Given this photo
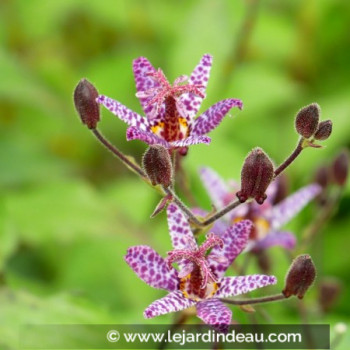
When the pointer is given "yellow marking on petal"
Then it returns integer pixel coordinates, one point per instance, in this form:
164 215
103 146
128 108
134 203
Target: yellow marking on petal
238 219
183 122
158 128
183 126
262 226
210 289
215 289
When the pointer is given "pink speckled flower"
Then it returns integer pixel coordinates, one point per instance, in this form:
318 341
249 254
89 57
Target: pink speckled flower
170 109
200 280
268 218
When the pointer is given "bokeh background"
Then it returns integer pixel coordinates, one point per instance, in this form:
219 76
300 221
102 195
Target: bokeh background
69 210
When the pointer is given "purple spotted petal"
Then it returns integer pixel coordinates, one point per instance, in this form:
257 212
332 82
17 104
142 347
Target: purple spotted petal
179 229
211 118
215 186
192 140
136 134
272 191
125 114
214 312
286 240
231 286
141 68
174 301
292 205
200 75
235 239
151 268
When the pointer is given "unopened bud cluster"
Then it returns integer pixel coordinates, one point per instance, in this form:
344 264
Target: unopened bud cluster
257 174
307 123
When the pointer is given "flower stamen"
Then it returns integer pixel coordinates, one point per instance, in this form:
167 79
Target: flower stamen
196 258
165 90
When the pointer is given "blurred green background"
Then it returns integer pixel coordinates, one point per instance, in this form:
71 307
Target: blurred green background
69 210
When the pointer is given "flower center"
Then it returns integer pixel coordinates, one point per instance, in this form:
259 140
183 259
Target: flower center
197 280
174 125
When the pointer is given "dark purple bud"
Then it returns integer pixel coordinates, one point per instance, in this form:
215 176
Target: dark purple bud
300 276
324 130
322 176
256 175
329 291
340 168
85 95
306 121
157 164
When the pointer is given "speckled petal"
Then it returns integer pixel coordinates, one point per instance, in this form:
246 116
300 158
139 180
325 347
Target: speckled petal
141 68
231 286
192 140
151 268
214 312
292 205
272 191
211 118
200 75
125 114
174 301
179 229
136 134
216 187
235 239
286 240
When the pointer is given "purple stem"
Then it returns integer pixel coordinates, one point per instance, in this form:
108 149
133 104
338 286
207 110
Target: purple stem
290 159
255 300
119 154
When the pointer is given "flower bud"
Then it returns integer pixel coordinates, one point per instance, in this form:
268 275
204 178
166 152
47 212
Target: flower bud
322 176
85 95
257 173
324 130
329 291
340 168
157 164
306 121
300 276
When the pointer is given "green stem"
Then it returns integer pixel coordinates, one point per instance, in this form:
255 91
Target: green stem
126 160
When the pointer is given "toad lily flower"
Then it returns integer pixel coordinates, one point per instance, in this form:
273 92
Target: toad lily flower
170 109
200 281
268 218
